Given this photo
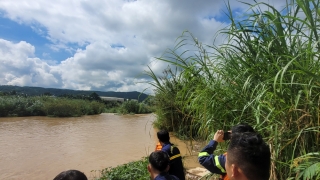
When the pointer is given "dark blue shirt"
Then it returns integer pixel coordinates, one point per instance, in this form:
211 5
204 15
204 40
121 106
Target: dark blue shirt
166 176
166 147
207 159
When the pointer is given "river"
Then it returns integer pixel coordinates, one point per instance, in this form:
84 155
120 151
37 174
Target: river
41 147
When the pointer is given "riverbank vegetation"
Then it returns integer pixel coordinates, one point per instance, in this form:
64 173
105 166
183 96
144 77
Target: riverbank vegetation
47 106
265 73
135 170
131 107
67 106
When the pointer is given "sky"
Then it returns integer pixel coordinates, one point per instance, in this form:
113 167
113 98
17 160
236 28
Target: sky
100 45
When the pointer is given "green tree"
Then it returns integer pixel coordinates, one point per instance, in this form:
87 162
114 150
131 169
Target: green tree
94 96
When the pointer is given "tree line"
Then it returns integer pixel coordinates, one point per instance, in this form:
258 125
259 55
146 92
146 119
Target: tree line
66 105
38 91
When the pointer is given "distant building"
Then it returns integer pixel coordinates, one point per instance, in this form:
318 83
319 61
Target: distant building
104 98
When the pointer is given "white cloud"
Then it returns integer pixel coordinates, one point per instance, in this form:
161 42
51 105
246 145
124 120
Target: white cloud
145 29
19 66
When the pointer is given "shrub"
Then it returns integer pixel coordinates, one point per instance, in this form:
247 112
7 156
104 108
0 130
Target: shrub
134 107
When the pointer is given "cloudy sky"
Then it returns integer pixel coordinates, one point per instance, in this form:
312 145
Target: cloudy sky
99 45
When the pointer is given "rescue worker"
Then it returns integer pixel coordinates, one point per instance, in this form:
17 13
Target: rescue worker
159 165
176 165
216 163
248 157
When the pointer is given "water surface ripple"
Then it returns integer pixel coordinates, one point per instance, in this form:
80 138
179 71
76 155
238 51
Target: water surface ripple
42 147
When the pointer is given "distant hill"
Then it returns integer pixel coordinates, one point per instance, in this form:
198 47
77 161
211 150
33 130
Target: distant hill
36 91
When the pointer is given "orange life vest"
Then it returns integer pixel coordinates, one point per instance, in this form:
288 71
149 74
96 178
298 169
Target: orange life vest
224 177
158 147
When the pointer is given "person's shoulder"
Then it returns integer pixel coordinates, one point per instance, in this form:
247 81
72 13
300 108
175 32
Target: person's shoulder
174 177
166 147
175 149
166 177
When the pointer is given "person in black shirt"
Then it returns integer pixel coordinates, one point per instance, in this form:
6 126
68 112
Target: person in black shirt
176 165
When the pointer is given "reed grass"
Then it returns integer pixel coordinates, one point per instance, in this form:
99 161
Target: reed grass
267 74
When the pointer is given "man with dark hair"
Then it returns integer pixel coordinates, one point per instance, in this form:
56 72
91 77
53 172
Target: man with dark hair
159 165
71 175
176 165
216 163
248 157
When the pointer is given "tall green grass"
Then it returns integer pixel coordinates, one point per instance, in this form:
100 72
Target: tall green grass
266 73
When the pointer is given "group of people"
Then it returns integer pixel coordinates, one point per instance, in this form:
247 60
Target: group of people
247 158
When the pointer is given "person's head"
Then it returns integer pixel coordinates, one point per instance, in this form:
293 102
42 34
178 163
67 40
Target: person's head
71 175
248 157
158 162
241 128
163 136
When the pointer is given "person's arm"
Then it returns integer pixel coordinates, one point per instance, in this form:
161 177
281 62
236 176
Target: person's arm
214 163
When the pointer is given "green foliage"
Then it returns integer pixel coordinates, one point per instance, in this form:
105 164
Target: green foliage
307 166
20 106
47 106
266 74
134 107
129 107
136 170
95 96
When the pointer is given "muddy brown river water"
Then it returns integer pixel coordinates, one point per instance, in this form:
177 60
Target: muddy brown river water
42 147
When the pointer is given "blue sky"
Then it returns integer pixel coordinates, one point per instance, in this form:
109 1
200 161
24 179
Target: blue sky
16 31
99 45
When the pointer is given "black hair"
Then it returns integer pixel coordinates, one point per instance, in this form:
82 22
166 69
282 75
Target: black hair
159 160
71 175
241 128
163 136
251 154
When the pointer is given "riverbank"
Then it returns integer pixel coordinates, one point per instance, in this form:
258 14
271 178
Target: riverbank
188 149
20 106
138 170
